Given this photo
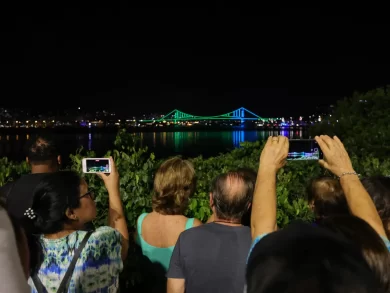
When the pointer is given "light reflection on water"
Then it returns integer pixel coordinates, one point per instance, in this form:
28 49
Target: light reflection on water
89 141
202 142
190 144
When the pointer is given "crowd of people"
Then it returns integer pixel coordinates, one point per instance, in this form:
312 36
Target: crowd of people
49 243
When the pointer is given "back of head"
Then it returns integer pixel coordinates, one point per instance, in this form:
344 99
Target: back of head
378 187
51 198
42 151
365 237
20 194
327 197
232 193
250 175
174 183
307 258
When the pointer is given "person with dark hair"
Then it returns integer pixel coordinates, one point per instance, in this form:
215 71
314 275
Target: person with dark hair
326 198
250 176
369 242
157 232
307 258
211 257
70 258
43 157
303 258
378 187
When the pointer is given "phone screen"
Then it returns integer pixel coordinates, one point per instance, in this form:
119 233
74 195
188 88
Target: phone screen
304 149
97 166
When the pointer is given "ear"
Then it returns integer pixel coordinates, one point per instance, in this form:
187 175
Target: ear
59 160
27 161
211 200
71 215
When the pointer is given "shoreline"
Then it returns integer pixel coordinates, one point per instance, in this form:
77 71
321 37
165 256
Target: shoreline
65 130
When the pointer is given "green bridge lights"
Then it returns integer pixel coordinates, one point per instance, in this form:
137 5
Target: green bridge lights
241 114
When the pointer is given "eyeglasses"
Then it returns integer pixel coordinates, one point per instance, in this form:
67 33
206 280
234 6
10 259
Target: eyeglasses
89 194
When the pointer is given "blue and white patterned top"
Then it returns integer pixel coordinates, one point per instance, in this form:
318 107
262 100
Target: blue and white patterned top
97 269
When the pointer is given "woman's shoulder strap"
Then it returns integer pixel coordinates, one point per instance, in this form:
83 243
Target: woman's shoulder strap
139 222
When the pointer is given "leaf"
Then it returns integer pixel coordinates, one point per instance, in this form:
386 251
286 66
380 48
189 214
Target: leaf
368 149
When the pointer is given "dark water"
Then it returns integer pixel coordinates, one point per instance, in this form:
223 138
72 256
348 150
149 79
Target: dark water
163 144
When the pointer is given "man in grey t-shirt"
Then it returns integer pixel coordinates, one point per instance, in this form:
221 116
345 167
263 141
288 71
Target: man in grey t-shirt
212 257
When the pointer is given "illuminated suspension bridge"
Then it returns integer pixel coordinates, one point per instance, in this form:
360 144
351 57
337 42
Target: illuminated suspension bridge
240 114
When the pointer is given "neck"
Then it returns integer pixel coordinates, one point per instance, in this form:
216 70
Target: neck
35 169
228 222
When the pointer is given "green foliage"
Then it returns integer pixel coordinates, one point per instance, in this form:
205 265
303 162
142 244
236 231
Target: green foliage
362 126
137 166
208 169
362 122
292 182
10 171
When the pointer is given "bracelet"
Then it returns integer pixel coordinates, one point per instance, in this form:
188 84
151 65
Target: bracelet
348 173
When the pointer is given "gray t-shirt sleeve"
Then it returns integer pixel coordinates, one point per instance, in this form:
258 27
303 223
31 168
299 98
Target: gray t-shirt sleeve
176 268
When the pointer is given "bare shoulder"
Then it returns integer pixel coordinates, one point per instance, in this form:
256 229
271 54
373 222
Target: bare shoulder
197 223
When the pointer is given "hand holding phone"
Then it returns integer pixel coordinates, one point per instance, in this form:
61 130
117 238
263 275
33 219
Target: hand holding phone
111 180
304 150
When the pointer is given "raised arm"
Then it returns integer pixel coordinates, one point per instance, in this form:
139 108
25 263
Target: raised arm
116 216
273 157
359 201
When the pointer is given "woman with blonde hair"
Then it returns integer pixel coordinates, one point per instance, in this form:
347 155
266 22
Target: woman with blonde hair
158 231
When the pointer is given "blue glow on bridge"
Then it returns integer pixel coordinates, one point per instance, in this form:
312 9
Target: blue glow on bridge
242 114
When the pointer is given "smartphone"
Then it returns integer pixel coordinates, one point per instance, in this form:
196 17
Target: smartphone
96 165
304 149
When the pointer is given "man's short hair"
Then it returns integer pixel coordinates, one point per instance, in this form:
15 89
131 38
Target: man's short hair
308 258
42 151
232 193
252 176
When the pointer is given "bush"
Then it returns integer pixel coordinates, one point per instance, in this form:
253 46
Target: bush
10 171
137 166
361 121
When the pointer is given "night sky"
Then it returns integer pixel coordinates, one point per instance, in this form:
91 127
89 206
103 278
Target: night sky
107 58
